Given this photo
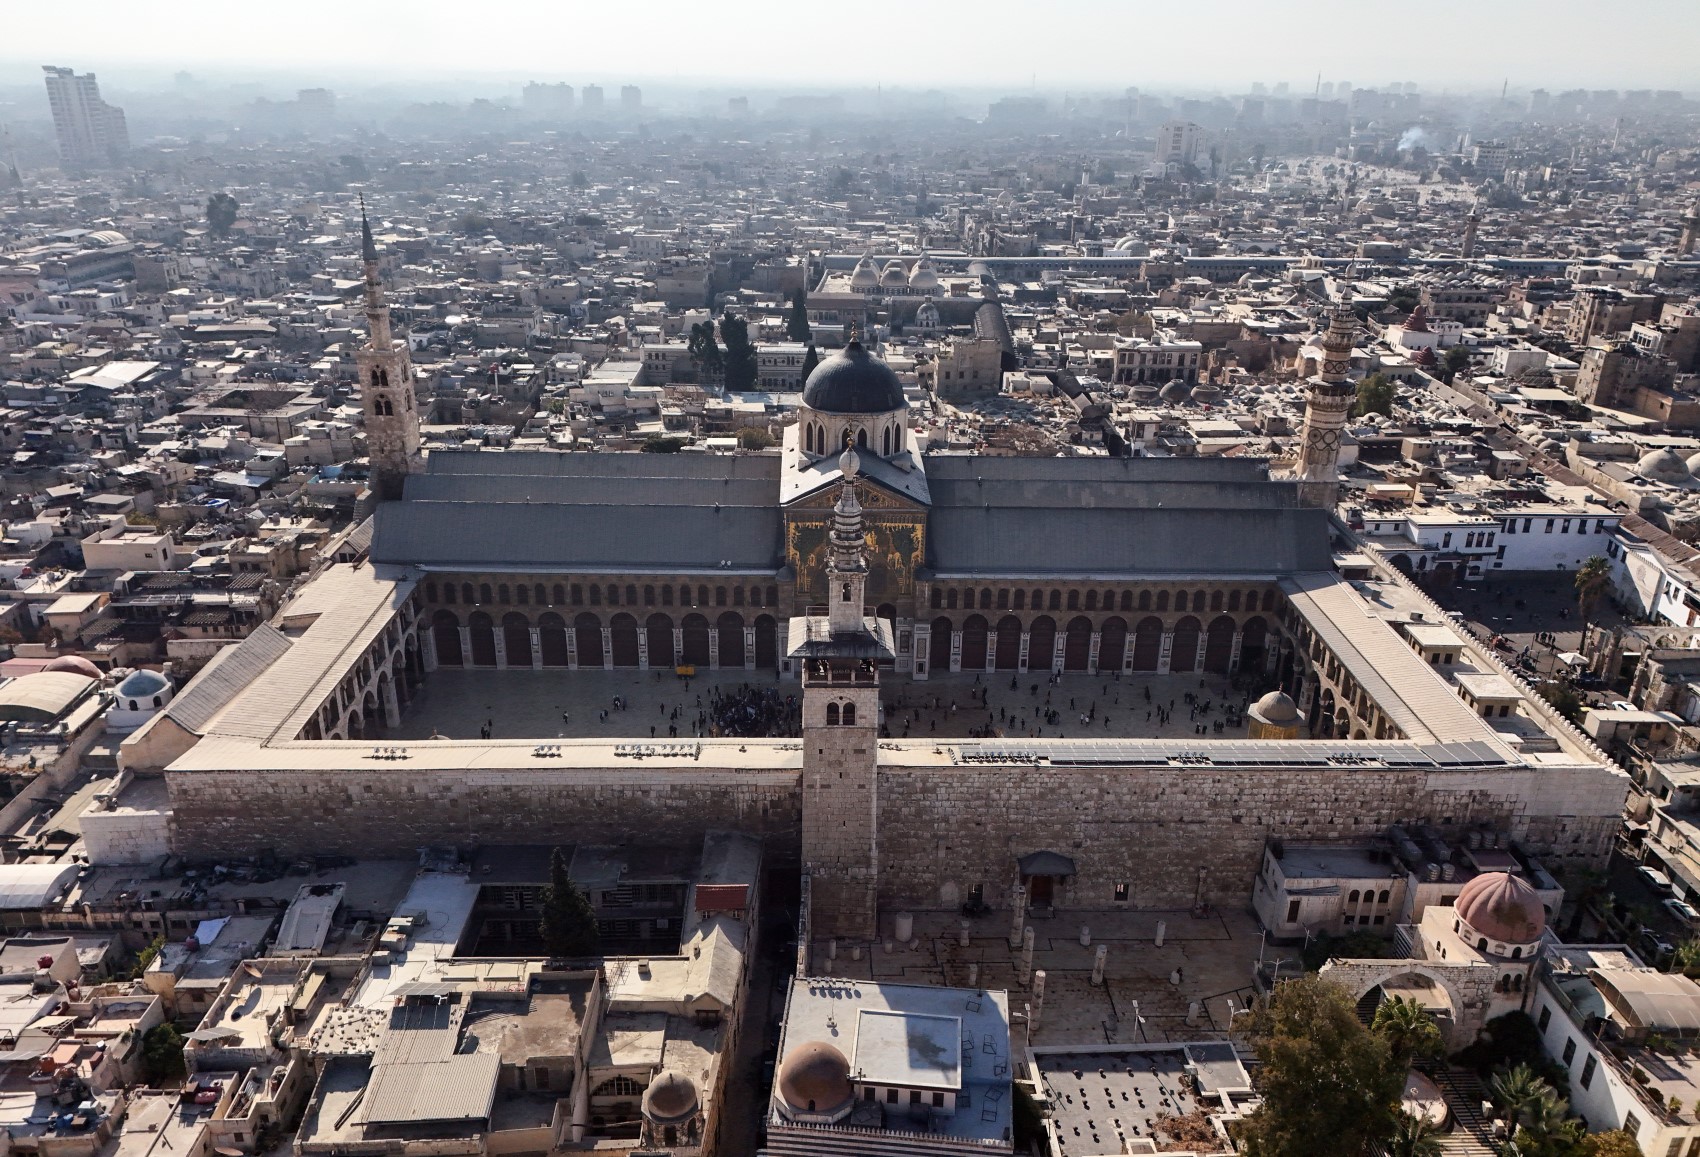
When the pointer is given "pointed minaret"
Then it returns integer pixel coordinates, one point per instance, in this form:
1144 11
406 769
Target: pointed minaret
1326 408
1690 231
386 385
839 654
1471 223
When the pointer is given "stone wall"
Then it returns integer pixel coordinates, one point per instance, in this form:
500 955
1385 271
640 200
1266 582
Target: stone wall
945 830
395 812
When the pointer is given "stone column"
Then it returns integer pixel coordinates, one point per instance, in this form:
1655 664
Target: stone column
1058 650
466 646
536 649
923 652
1018 913
1098 957
991 650
1198 656
1026 966
387 703
678 644
607 648
1021 660
1165 652
500 634
428 649
1092 651
1234 654
1272 657
750 648
572 647
713 647
1038 1000
955 650
643 649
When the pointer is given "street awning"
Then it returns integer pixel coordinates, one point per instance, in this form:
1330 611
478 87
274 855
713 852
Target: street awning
1046 864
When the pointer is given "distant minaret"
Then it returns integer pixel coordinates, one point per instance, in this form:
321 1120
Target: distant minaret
838 655
1326 407
1690 231
386 385
1470 224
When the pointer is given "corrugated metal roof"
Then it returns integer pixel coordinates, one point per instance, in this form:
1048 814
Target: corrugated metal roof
43 695
32 885
225 676
457 1088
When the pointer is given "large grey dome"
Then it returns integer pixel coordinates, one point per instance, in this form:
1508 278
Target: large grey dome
853 381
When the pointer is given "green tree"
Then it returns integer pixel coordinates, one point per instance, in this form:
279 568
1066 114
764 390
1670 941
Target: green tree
221 214
662 444
569 923
162 1054
810 361
1330 1086
741 369
797 324
147 955
1549 1130
1454 363
1375 396
472 222
1686 958
755 438
1409 1030
1404 298
1411 1137
703 349
1592 578
1611 1143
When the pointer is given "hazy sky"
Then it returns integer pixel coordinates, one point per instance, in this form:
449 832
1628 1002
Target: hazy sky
1059 44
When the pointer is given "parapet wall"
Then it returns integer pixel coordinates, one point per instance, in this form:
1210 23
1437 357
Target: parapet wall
394 812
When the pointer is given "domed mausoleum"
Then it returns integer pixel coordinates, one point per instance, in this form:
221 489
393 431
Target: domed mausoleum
1500 915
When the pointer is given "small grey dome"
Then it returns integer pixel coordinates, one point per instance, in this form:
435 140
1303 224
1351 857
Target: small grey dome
670 1097
1276 707
1664 466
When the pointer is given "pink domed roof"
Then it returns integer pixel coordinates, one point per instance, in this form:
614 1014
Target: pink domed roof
77 665
1502 907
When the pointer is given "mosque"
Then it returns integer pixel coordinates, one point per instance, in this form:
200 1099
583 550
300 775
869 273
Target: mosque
846 560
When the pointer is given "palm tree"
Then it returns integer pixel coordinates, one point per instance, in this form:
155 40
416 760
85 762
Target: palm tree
1517 1090
1410 1031
1412 1137
1592 578
1549 1127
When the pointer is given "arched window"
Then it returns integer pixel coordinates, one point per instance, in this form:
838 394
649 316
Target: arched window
484 593
1056 600
1269 600
157 702
613 595
631 594
1383 897
1516 954
1144 600
538 594
1353 898
1180 600
1233 600
1127 601
595 595
578 594
936 598
524 593
502 593
772 595
466 594
985 598
449 593
1481 945
1091 601
1074 600
950 599
719 596
1003 598
832 715
1020 600
1215 600
849 715
648 595
430 592
737 596
1163 601
862 439
844 594
885 442
667 596
702 595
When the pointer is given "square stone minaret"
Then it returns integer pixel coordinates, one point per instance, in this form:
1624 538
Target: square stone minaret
386 386
839 653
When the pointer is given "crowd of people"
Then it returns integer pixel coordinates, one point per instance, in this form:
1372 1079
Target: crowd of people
753 712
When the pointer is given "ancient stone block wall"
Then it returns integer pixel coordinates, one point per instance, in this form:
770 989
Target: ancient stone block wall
394 812
945 831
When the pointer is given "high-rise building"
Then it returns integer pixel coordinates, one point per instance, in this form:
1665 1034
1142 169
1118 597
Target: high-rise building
317 104
592 98
631 98
1177 143
547 100
90 131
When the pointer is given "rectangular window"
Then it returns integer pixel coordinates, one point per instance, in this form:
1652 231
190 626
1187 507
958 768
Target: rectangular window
1293 912
1675 1149
891 1096
1588 1067
914 1096
1631 1124
938 1100
1122 893
1565 529
1550 521
1569 1051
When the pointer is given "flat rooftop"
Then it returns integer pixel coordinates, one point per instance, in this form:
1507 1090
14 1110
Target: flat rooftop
1103 1097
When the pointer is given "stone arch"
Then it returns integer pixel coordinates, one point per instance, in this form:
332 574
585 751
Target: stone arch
445 636
1112 643
1041 643
1254 640
767 643
731 627
1077 644
938 648
1362 977
974 637
623 639
1183 653
552 639
695 633
516 638
659 628
1147 643
483 632
1219 644
1008 656
587 635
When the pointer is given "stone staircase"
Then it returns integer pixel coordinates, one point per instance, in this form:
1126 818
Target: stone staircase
1472 1134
